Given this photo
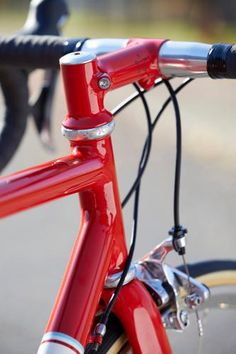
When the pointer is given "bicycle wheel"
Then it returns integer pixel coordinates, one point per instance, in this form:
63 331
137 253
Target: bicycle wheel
218 316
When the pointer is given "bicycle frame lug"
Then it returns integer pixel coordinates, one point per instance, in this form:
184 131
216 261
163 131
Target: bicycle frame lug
88 134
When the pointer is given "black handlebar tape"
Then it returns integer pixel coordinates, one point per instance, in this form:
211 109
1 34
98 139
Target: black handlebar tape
33 52
221 61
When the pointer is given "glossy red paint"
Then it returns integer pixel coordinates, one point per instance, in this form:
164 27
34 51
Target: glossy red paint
100 248
85 100
47 182
138 62
141 319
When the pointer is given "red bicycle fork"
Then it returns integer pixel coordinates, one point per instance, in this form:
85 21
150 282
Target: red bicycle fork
100 248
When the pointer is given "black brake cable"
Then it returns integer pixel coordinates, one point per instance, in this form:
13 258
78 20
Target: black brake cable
101 326
178 153
119 108
100 329
178 232
164 106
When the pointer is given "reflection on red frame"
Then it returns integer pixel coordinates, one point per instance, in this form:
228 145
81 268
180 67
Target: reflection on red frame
100 248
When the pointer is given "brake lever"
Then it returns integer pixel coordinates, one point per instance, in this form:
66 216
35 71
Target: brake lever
45 17
41 108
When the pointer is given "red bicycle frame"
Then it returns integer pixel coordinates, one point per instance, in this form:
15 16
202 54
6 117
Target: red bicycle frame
100 248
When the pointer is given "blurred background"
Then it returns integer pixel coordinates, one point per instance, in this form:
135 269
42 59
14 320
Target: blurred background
188 19
35 245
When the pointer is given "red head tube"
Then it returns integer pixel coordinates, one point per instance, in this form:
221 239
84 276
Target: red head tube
84 97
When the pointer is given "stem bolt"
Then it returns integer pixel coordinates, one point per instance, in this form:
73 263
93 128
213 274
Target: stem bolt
104 83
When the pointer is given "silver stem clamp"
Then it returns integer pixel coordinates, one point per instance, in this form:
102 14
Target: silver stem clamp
88 134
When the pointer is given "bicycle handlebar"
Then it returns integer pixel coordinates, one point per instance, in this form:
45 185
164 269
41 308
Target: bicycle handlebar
191 59
29 51
178 59
221 61
174 59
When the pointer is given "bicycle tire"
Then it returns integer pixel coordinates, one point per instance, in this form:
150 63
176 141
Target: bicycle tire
216 274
